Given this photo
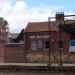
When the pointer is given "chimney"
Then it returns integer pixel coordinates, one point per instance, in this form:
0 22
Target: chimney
60 17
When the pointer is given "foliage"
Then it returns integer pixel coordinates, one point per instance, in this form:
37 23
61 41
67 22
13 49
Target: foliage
3 21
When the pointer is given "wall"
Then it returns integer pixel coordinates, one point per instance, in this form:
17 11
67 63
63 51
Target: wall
14 53
1 54
55 37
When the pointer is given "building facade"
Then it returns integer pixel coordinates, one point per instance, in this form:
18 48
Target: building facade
40 38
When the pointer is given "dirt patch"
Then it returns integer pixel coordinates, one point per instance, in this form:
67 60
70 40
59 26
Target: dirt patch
54 58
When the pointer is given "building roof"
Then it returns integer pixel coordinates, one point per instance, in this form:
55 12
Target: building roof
20 35
43 26
39 26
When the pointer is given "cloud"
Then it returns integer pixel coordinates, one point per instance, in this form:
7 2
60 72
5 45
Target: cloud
19 14
42 12
20 7
14 15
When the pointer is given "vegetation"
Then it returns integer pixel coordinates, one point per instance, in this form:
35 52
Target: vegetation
4 23
44 58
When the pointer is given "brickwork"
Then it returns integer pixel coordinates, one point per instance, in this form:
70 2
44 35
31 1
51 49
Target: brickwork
39 31
1 54
65 37
14 53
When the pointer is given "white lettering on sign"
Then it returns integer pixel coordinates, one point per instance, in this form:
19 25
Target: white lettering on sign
46 36
32 37
43 36
38 36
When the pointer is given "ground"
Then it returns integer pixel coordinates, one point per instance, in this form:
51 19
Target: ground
31 73
54 58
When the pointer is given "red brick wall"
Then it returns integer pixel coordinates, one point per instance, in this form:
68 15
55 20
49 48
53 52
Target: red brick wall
1 54
14 53
65 37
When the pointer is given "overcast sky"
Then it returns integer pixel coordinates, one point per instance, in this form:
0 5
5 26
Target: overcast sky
19 12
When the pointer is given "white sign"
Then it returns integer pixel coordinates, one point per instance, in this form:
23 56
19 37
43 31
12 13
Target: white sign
43 36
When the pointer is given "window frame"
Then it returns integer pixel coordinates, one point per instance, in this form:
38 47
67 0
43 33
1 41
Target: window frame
60 45
45 45
33 45
39 44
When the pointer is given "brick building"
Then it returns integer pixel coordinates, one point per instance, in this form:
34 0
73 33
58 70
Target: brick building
39 38
20 37
12 37
10 51
37 35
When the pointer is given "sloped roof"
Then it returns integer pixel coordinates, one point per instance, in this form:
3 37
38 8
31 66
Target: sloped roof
39 26
43 26
20 36
70 22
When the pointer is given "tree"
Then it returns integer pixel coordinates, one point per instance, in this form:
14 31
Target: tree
5 28
4 23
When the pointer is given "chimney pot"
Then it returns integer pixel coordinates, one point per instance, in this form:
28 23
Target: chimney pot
60 16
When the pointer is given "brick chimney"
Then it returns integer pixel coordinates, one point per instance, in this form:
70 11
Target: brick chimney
60 17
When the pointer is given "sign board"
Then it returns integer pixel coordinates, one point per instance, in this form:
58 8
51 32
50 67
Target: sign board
72 46
38 36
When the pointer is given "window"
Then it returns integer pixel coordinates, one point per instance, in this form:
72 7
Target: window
46 45
60 44
39 44
33 45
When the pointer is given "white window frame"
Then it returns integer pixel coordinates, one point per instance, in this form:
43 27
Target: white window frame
33 45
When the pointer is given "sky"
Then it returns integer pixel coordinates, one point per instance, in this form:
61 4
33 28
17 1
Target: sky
19 13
